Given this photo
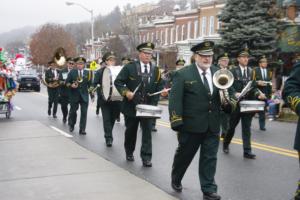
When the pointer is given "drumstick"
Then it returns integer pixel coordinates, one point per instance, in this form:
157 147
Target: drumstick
136 89
159 92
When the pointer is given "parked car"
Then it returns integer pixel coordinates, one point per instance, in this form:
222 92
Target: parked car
29 80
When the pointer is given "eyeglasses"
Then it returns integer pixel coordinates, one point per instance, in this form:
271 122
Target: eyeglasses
71 63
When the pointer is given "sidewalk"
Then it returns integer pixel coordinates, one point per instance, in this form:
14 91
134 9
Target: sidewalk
38 163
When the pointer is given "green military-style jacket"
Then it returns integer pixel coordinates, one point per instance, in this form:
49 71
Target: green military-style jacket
64 90
129 79
238 84
98 80
49 75
82 90
291 95
257 76
191 107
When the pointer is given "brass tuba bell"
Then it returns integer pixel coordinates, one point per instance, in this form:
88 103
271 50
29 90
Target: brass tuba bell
60 56
223 79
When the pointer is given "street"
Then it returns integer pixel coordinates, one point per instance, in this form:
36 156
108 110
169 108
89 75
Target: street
272 176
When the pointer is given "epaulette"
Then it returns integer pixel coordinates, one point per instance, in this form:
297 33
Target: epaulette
293 102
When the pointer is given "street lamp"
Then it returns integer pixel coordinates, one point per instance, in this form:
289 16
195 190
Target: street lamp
92 23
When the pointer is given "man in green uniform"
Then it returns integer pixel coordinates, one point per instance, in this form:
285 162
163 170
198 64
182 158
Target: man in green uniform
51 78
291 94
194 107
263 77
223 61
242 75
110 109
79 80
134 82
64 90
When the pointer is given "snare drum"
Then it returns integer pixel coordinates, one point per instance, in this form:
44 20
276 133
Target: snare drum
109 91
148 111
252 106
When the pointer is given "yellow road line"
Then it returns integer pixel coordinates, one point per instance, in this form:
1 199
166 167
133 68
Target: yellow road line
273 149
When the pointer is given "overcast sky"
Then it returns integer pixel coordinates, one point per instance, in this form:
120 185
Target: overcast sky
20 13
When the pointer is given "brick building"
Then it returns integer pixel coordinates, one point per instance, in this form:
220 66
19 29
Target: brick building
176 33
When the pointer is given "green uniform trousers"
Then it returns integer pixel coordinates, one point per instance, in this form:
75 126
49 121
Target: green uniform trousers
110 112
132 124
83 113
53 96
246 120
64 102
224 122
188 146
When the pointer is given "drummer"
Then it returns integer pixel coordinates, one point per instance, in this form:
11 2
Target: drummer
242 75
110 109
263 77
141 77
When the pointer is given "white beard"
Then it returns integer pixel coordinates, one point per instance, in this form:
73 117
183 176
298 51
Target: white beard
205 66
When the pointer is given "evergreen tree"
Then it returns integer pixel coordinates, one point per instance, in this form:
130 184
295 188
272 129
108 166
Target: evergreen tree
248 24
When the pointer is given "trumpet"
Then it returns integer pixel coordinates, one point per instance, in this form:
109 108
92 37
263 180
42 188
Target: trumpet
54 84
76 82
223 79
92 90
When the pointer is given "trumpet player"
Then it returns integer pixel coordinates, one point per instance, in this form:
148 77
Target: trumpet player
263 77
64 90
52 81
79 80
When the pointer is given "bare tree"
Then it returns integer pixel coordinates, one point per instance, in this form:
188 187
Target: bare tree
47 39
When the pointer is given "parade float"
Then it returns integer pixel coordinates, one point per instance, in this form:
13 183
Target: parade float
7 86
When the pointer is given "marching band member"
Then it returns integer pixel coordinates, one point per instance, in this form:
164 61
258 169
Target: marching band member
291 94
194 107
110 109
64 90
223 61
134 82
51 78
263 77
242 75
79 80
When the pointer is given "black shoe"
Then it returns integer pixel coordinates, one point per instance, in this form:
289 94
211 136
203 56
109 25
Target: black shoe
82 132
249 155
147 163
64 120
176 186
49 112
130 158
154 129
263 129
109 142
211 196
97 111
54 116
225 148
71 128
